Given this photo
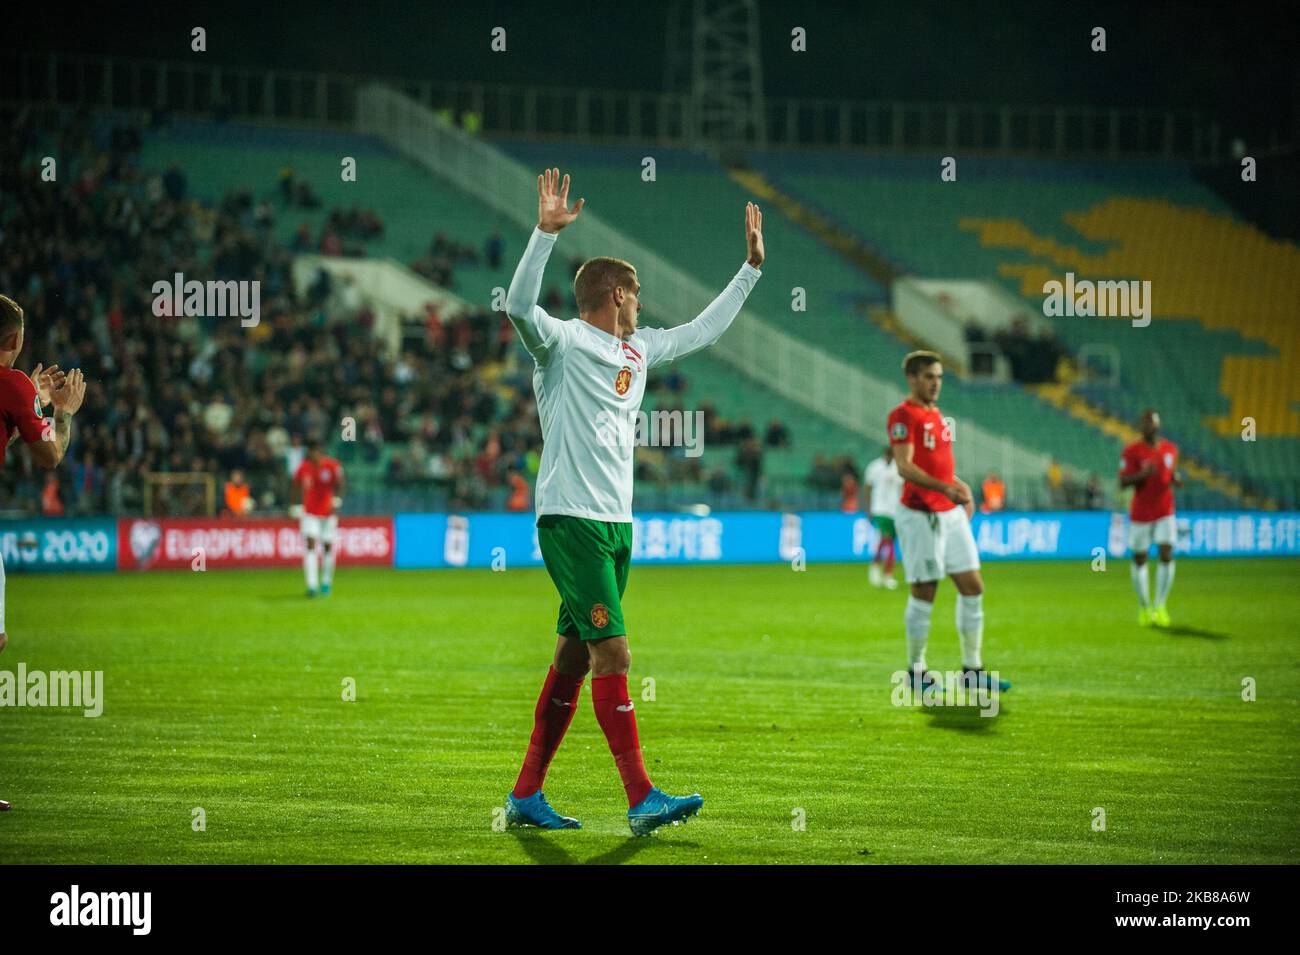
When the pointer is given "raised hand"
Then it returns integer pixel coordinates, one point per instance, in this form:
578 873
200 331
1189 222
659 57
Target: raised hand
754 234
553 212
68 396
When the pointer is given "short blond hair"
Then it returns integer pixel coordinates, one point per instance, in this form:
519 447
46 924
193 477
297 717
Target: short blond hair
916 361
597 279
11 315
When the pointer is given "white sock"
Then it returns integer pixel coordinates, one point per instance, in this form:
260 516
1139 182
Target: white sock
1141 584
309 566
1164 581
916 621
970 624
327 574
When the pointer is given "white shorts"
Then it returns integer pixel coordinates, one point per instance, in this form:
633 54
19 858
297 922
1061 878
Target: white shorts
319 528
935 544
1142 533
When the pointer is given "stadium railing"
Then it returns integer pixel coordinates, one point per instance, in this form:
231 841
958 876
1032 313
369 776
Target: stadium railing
587 114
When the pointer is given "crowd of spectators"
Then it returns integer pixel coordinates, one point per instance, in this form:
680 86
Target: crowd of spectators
840 475
206 395
452 411
438 265
1033 358
1068 492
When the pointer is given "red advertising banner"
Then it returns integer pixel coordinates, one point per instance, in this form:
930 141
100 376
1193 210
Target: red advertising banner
175 544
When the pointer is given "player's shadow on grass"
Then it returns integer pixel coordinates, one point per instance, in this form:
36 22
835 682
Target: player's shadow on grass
628 848
1196 632
542 848
965 719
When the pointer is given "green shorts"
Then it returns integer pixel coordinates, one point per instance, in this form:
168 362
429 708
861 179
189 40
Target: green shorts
588 562
883 524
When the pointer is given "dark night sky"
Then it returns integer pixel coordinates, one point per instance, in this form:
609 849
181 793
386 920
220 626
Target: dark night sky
1235 60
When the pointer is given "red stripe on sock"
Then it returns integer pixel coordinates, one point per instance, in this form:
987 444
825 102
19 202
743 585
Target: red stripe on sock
551 718
615 715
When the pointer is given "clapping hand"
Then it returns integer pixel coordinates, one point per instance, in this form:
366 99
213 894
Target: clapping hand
69 393
46 380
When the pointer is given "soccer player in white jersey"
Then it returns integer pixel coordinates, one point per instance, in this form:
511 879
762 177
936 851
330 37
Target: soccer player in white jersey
588 372
883 488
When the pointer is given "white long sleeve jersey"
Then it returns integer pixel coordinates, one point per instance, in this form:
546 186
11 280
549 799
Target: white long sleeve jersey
590 383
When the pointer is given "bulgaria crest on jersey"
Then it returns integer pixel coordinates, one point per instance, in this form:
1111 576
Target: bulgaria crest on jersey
599 616
624 380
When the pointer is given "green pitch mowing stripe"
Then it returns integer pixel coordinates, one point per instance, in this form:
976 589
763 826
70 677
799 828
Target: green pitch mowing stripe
771 696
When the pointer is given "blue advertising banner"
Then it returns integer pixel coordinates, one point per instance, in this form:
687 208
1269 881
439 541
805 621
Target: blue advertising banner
510 540
43 546
741 537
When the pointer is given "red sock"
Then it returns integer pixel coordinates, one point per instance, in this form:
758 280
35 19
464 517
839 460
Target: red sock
552 717
889 558
615 716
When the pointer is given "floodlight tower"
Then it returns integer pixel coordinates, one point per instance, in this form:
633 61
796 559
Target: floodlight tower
713 54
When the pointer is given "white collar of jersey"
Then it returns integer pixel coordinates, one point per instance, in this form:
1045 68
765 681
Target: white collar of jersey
604 336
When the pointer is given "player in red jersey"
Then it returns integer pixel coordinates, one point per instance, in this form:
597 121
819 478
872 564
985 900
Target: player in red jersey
933 523
318 494
21 402
1148 466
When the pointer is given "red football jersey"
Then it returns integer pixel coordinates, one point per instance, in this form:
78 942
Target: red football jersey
931 441
320 481
1154 497
20 409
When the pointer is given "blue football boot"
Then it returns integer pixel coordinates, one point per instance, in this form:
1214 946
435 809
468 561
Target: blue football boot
658 808
536 811
981 680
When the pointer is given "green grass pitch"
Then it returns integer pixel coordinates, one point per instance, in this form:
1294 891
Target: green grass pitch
223 690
